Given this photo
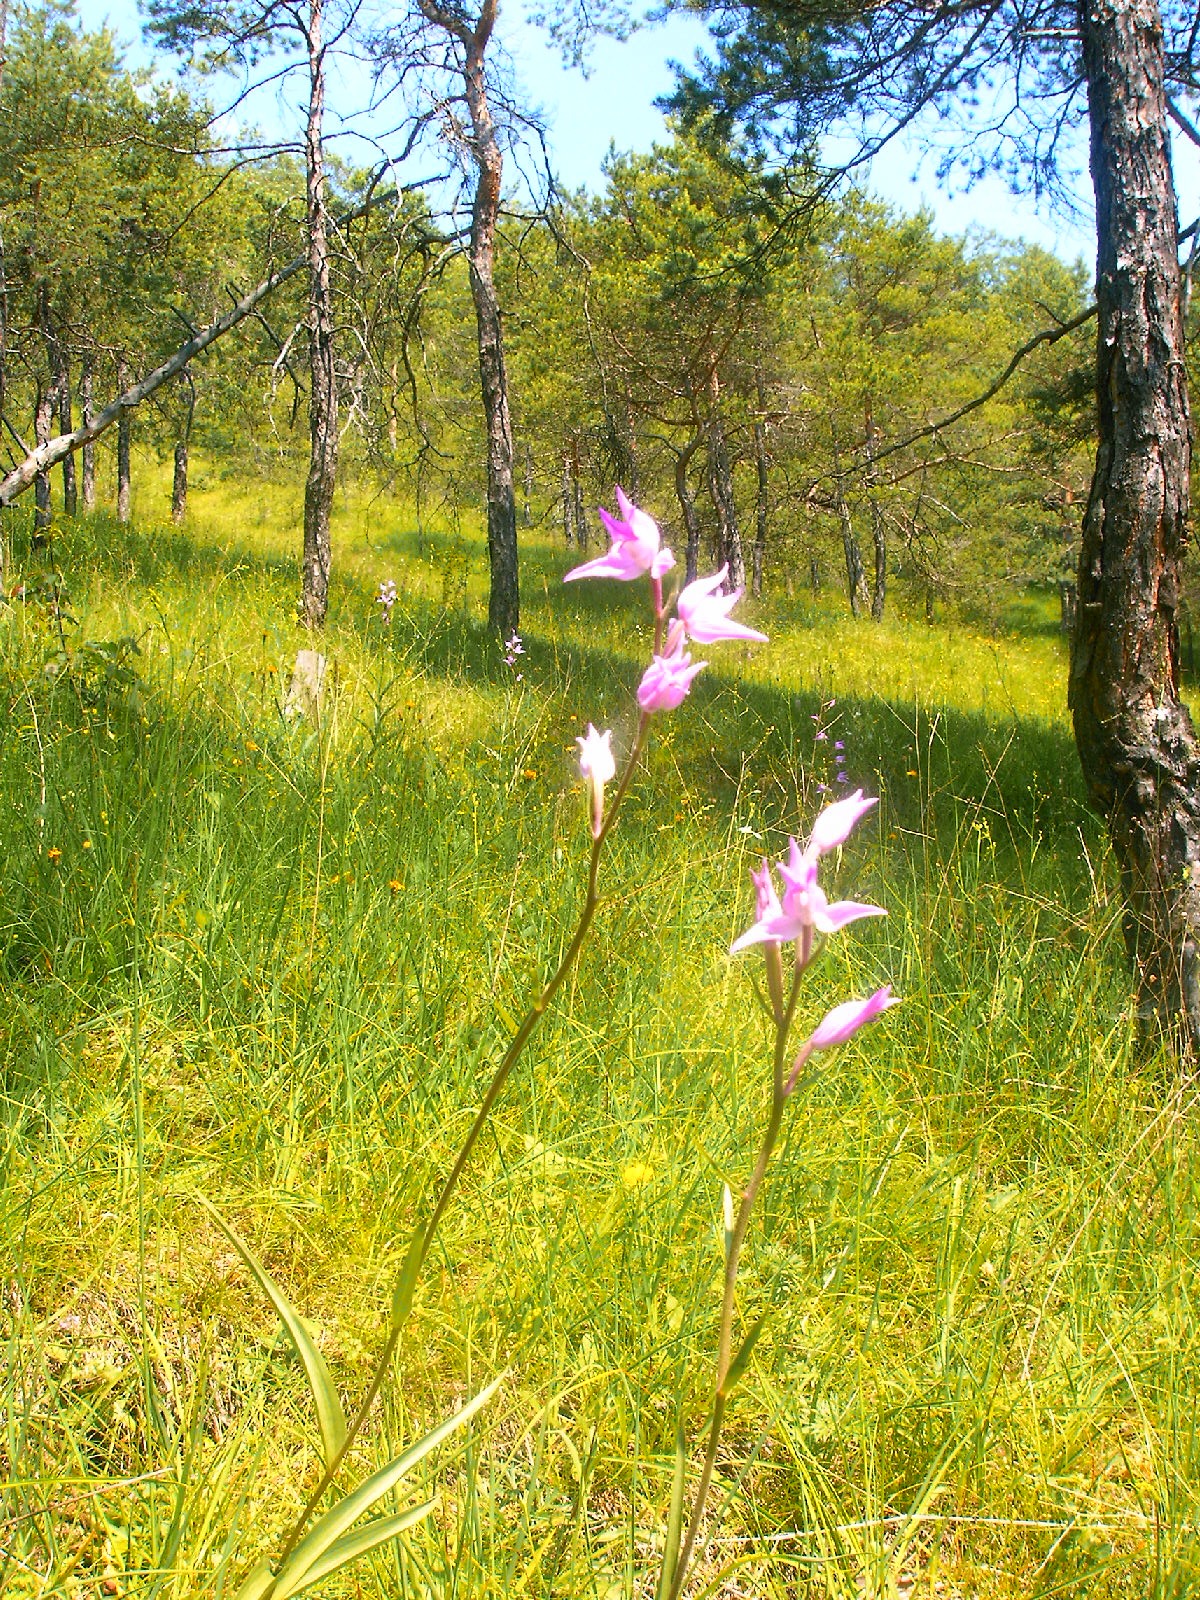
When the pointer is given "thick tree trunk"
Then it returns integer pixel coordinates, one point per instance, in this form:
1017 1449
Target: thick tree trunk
323 396
504 599
124 431
720 487
1136 742
87 470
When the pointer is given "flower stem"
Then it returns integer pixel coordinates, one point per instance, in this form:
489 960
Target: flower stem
783 1026
499 1078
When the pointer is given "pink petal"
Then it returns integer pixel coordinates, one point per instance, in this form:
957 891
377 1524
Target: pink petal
835 824
829 918
839 1024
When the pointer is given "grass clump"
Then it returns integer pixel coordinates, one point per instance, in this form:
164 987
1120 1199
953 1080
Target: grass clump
272 963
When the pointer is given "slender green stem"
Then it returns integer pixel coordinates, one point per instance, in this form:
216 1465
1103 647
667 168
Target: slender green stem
499 1078
783 1027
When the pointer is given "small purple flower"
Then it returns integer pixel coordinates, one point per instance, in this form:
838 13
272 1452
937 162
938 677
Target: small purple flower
704 611
512 649
636 547
668 678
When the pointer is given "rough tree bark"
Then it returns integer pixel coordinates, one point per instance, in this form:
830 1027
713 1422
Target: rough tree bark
179 480
323 396
1137 746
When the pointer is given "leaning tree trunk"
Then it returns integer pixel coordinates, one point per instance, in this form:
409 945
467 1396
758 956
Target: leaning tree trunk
504 598
1137 746
323 398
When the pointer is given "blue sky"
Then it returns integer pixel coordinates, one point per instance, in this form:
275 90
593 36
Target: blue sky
614 104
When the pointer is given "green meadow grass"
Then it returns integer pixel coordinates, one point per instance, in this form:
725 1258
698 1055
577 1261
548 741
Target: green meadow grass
270 964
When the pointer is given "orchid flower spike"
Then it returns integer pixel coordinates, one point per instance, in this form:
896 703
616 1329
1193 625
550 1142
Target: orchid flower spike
804 908
598 765
668 678
704 611
637 546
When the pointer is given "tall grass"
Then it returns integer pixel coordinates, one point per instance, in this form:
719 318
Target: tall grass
270 962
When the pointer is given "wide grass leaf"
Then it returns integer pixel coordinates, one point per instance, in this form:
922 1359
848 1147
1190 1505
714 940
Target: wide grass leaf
331 1419
350 1547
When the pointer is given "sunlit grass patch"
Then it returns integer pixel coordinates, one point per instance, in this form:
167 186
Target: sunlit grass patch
272 963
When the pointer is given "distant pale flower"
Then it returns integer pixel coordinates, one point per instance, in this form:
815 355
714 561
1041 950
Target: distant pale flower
837 1025
386 598
598 765
668 678
704 611
636 549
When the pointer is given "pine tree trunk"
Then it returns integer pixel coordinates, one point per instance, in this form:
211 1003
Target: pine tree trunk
43 417
70 482
720 487
504 600
323 397
687 508
124 431
856 578
87 473
179 482
1136 742
878 526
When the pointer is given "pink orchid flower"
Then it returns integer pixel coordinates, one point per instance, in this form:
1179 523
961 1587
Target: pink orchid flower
805 909
636 549
704 611
668 678
598 765
837 1025
836 822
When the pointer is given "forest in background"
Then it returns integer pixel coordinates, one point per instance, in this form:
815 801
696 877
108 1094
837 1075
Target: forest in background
763 364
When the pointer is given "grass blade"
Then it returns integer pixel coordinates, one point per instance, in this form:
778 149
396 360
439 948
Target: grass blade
675 1517
331 1419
